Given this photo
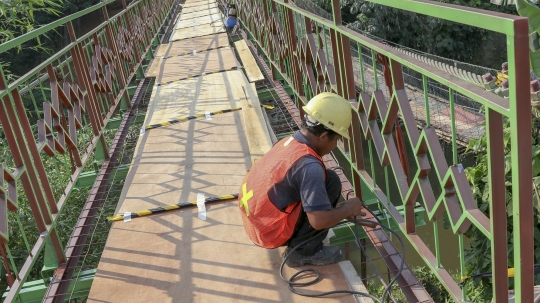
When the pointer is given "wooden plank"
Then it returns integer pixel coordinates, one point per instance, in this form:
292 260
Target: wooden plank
192 3
199 14
180 67
248 61
197 8
196 31
198 44
212 93
215 18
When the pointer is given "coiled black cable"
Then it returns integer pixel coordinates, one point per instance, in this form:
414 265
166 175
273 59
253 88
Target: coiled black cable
293 284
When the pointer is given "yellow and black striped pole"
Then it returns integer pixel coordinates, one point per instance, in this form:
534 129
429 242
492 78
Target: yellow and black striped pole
184 119
147 212
199 75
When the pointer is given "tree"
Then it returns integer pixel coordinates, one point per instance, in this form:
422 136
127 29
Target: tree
17 17
428 34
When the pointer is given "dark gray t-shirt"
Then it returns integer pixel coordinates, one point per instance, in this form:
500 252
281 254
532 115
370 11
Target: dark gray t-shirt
303 182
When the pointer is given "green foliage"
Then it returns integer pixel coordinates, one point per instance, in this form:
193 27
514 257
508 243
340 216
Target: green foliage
18 17
478 256
424 33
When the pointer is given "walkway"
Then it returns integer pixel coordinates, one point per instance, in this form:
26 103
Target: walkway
188 255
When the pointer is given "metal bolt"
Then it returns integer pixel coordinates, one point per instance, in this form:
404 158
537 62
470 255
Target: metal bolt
535 86
487 78
504 84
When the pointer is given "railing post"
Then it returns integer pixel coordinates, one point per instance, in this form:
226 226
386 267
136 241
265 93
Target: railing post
497 209
521 142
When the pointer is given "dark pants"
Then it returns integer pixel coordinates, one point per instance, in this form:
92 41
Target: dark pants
304 230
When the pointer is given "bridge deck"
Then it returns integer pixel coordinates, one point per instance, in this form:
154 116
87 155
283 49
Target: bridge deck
175 256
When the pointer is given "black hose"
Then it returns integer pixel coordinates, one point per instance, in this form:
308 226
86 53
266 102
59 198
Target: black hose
293 284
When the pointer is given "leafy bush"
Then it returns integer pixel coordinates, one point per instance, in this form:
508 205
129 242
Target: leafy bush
478 256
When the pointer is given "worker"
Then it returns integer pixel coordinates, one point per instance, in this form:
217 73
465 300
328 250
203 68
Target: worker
231 20
288 196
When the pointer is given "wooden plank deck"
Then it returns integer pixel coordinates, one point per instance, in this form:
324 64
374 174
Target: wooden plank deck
202 62
198 44
200 7
210 19
192 3
200 13
174 256
198 30
253 71
208 94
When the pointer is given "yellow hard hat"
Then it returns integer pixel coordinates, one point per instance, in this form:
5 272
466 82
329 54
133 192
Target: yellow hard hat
332 111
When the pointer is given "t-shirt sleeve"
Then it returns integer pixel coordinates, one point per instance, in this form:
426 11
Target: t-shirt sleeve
309 179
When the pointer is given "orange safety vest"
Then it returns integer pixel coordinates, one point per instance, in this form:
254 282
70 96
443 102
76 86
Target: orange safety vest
265 224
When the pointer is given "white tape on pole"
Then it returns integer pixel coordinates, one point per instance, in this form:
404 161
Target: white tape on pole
201 206
127 216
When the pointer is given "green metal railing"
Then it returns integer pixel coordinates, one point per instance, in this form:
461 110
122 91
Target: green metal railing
57 124
314 55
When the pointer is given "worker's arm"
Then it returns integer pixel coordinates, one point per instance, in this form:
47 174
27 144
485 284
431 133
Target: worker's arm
328 218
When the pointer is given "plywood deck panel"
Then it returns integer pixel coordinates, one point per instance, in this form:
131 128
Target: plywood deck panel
210 19
199 14
196 31
198 43
182 66
212 93
197 8
176 257
192 3
214 16
248 62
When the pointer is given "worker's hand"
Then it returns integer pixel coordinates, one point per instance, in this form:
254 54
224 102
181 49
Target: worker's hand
356 206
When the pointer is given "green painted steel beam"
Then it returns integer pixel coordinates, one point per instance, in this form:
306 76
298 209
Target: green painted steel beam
34 291
345 233
131 90
87 179
270 93
114 123
283 135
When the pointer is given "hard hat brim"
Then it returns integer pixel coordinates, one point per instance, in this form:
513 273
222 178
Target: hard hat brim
344 134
